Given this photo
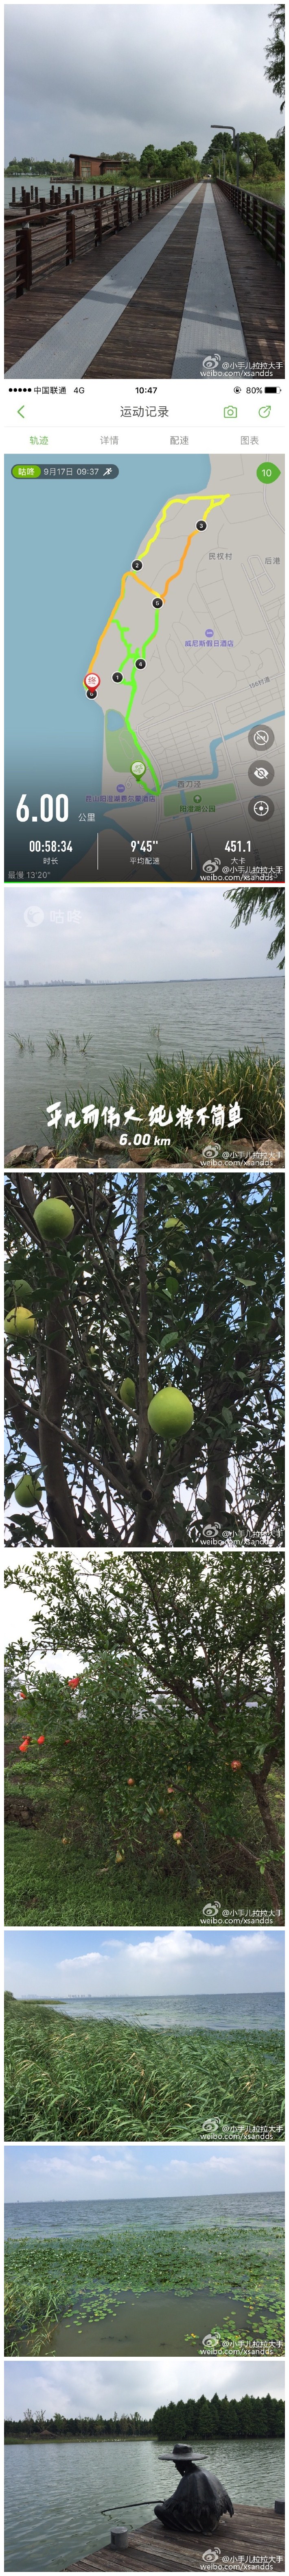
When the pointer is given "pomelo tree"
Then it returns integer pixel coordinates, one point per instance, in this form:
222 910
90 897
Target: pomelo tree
195 1650
110 1305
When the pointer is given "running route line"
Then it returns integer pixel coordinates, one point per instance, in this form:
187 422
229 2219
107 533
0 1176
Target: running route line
130 658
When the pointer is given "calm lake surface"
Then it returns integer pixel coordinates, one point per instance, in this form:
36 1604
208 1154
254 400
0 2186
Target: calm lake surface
181 2012
44 184
126 1025
97 2217
55 2492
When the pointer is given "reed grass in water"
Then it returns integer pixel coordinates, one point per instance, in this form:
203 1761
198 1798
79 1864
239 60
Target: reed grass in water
70 2078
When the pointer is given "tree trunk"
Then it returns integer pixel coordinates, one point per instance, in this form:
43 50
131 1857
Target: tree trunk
217 1470
241 1852
54 1379
146 1520
261 1794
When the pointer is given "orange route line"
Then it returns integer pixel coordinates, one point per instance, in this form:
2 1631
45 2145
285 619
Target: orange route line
141 585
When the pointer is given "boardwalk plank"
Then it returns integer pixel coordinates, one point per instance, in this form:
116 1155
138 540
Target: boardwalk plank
256 2534
259 288
61 288
144 342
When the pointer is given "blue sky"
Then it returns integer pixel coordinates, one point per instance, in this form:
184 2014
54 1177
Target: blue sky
178 1962
149 934
128 2172
104 2387
129 76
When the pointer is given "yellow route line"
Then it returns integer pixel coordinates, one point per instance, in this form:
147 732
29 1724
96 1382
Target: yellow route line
179 502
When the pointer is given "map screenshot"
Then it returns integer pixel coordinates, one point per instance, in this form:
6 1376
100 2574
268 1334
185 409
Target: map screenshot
148 737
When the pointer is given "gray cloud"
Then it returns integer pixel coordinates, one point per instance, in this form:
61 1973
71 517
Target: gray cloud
107 2387
86 78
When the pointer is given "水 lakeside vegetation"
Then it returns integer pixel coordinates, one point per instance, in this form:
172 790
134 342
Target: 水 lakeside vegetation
255 1081
83 2079
215 2418
193 1702
133 1286
82 2280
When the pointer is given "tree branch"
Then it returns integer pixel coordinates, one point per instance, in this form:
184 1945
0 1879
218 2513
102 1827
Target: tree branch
22 1418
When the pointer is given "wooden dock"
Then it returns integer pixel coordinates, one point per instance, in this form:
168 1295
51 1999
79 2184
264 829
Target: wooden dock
259 288
254 2539
145 339
146 336
55 288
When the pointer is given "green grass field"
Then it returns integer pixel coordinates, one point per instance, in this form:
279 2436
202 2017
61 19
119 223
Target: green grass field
67 2078
88 2277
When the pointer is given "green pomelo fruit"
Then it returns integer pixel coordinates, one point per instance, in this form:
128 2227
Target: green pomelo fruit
170 1415
20 1324
173 1221
54 1220
28 1492
19 1288
127 1393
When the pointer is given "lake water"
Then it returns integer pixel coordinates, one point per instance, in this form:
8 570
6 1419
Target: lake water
159 2319
55 2493
181 2012
97 2217
44 184
126 1024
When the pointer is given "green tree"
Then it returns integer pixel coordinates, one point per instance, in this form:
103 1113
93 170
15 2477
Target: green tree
196 1651
174 160
118 1305
219 144
276 146
275 54
272 908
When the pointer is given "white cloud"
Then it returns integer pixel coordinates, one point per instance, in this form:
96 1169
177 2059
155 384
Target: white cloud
106 2387
177 1962
148 937
135 2171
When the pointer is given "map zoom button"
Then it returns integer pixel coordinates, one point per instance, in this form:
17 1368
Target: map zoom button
261 737
261 807
261 771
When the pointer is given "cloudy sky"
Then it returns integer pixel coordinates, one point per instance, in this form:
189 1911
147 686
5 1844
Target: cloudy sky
125 76
125 2172
146 934
106 2387
179 1962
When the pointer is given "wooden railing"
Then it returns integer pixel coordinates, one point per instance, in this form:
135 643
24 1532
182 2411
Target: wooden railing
263 218
40 237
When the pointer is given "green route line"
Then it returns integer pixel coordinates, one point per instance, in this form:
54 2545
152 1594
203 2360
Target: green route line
132 684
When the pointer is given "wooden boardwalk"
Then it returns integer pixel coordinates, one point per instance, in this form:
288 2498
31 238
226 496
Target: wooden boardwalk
146 336
144 342
259 288
61 287
255 2538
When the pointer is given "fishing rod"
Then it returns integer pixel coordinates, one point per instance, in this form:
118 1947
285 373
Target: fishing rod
131 2500
183 2463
